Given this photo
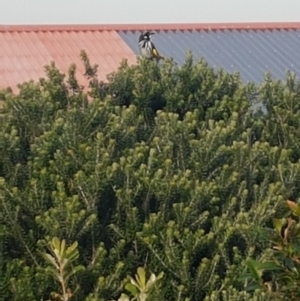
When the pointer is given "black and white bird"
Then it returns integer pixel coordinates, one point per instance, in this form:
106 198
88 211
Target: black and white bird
147 47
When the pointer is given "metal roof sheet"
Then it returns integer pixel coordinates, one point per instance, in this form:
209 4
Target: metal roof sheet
252 52
24 53
251 48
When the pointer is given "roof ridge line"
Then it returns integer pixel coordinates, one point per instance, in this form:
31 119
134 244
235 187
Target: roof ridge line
139 27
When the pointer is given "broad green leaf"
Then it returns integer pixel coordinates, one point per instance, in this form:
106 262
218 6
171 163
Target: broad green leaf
131 288
135 283
50 259
62 247
141 277
251 264
124 297
151 281
291 248
245 276
74 271
289 263
57 254
64 263
160 276
269 266
72 248
277 225
55 274
72 256
253 286
56 244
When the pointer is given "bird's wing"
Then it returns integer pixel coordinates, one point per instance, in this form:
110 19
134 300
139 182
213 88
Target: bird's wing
154 50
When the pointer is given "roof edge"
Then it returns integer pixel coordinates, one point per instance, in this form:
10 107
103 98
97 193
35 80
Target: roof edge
139 27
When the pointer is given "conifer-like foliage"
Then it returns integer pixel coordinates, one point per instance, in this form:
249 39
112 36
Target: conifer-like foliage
174 169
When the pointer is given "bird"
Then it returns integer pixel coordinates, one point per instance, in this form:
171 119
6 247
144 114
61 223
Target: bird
147 47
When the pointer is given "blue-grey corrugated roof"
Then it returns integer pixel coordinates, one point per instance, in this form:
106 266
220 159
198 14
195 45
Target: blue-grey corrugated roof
251 52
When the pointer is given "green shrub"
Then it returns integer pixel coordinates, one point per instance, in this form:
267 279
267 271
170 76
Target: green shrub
170 168
277 271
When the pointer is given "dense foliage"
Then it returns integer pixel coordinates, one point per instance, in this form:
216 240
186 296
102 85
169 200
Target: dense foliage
175 169
277 272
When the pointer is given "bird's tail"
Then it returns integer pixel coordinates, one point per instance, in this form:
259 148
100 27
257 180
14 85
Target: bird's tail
159 57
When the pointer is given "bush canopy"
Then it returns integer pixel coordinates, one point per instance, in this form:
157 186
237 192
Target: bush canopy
176 172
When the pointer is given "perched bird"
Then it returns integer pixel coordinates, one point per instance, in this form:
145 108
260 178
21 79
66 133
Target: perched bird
147 47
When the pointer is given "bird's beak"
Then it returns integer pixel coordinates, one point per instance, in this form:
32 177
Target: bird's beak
152 33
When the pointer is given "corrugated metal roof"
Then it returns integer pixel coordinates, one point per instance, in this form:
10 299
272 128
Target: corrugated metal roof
252 52
24 53
250 48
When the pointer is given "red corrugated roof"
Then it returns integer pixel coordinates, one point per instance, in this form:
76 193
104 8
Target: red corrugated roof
167 26
26 49
24 52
